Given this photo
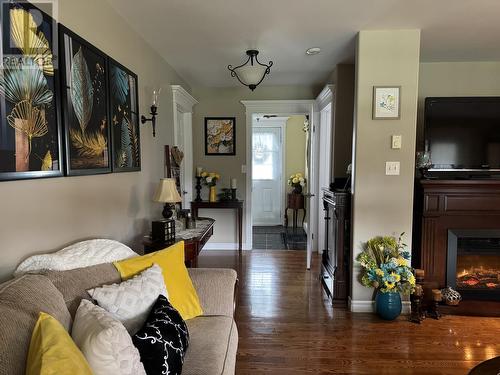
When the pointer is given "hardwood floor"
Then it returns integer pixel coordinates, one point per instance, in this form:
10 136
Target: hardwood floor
287 326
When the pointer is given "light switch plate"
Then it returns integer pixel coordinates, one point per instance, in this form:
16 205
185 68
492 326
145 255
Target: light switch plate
396 142
244 169
392 168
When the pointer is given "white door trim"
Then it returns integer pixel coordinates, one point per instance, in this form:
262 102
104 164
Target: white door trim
280 108
183 103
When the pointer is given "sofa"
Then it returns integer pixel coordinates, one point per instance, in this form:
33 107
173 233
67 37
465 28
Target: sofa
213 336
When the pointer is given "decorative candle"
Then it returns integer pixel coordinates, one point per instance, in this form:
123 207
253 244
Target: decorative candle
199 170
233 183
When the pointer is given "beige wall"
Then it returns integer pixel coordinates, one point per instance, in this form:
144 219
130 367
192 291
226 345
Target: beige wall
455 79
383 205
295 151
226 102
43 215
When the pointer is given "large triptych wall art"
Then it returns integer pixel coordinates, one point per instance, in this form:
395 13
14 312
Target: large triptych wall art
125 130
30 133
85 105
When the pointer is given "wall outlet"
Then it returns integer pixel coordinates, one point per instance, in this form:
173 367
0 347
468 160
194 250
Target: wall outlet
392 168
396 142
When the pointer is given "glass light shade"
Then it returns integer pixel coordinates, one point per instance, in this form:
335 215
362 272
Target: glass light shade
167 192
251 74
156 97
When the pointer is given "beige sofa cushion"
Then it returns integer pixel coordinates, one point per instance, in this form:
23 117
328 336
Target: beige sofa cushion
21 301
73 284
212 346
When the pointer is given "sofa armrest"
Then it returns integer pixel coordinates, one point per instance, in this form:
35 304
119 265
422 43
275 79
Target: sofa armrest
216 288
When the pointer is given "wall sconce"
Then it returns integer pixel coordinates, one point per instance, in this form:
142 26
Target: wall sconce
154 111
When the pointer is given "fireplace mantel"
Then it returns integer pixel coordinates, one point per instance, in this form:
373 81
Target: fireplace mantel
443 205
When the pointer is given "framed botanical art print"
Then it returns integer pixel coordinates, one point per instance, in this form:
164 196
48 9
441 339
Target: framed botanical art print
30 131
124 108
220 136
85 105
386 102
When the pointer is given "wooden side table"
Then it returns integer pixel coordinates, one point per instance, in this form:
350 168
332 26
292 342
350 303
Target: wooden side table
192 245
296 202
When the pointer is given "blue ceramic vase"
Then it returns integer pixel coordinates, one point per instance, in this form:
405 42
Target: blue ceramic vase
388 305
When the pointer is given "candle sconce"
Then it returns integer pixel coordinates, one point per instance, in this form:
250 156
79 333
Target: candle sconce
154 111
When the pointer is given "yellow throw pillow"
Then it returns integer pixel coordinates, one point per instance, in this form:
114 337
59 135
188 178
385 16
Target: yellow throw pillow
53 352
181 292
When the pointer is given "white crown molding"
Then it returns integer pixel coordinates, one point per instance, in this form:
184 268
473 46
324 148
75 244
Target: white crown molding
279 106
183 99
325 97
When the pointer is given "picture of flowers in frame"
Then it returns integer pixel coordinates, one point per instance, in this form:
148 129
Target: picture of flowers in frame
124 110
30 131
220 136
85 105
386 102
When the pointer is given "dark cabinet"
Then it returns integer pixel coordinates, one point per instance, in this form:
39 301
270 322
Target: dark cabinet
336 253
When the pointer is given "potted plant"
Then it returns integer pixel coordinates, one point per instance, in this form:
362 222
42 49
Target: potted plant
385 263
297 182
210 179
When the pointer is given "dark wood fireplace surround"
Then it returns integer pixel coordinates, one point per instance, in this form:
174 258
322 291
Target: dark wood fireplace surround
442 205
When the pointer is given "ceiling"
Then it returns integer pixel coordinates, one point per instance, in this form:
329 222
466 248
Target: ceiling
199 38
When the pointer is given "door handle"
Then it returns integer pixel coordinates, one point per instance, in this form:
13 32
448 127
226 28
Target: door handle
309 195
184 192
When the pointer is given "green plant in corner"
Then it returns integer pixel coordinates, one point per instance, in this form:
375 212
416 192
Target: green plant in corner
385 263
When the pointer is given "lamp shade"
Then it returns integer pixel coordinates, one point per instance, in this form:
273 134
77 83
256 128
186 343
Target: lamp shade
251 74
167 192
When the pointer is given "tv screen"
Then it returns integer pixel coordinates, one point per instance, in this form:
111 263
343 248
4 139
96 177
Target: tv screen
463 133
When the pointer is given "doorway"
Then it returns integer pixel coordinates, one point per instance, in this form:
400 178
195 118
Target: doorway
278 152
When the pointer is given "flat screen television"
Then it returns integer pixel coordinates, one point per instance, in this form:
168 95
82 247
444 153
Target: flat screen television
463 134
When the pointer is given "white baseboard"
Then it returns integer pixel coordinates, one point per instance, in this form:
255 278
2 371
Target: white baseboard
357 306
224 246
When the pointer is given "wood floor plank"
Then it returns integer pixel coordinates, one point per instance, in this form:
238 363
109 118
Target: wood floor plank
287 326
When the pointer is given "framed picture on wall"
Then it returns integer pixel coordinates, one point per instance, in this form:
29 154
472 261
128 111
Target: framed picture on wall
220 136
85 104
386 102
30 128
124 115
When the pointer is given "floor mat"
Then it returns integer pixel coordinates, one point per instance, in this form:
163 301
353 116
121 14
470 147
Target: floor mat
279 238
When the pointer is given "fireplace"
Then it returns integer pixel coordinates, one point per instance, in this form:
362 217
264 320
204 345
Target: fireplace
473 264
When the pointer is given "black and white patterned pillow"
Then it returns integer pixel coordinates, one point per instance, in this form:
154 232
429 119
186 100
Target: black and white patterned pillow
163 340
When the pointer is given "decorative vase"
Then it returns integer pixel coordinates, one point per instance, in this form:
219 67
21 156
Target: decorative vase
451 296
388 305
297 189
213 194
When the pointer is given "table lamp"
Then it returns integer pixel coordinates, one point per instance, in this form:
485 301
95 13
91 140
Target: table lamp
167 193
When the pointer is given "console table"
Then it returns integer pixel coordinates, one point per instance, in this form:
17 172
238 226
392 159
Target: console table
194 240
233 205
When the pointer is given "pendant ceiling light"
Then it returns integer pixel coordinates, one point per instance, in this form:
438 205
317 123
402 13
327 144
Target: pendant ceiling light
252 72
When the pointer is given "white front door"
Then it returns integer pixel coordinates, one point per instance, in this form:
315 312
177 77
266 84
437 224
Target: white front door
267 159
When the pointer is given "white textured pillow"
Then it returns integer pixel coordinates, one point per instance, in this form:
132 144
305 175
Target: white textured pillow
105 342
79 255
131 301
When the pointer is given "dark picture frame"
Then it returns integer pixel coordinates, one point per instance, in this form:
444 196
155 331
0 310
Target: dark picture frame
85 105
220 136
124 118
30 129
